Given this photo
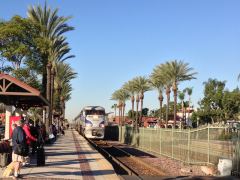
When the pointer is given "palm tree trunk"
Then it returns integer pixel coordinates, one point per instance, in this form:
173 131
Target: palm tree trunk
123 113
136 120
189 107
175 104
123 119
182 114
168 91
119 114
160 98
141 99
49 110
52 87
132 100
44 76
62 106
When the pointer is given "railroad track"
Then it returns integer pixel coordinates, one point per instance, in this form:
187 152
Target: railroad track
123 162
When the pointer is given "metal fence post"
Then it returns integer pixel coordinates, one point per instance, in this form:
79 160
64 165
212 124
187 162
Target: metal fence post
208 134
160 140
151 140
143 138
172 142
188 151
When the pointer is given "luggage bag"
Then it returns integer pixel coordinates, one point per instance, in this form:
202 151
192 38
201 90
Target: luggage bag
40 156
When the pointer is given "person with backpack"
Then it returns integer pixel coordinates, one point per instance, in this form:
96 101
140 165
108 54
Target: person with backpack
20 147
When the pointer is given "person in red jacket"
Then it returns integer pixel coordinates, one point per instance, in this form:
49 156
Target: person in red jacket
27 131
29 137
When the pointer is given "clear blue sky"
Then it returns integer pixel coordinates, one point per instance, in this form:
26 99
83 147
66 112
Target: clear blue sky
116 40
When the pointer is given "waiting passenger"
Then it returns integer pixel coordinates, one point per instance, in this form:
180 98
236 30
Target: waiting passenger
19 142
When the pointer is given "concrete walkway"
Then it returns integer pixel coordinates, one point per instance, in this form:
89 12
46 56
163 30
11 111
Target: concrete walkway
71 157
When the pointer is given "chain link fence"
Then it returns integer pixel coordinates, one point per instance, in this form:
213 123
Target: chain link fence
236 152
198 146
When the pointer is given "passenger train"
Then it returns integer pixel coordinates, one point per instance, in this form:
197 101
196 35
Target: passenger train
91 122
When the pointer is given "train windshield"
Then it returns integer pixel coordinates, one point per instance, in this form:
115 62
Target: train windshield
95 112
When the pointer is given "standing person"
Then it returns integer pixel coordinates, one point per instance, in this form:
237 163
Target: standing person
18 141
42 130
34 133
29 137
53 130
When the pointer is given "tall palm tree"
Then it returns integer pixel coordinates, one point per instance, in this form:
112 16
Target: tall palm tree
124 95
181 96
115 109
158 84
141 85
121 95
52 27
158 74
64 74
189 93
64 97
58 53
116 96
130 88
176 72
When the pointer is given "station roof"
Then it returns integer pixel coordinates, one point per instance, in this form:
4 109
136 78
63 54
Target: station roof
17 93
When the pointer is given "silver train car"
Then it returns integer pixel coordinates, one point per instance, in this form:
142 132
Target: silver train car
91 122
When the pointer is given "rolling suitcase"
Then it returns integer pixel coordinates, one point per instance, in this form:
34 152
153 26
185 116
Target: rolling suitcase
40 156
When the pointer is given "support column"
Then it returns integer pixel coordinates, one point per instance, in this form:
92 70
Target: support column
44 116
7 121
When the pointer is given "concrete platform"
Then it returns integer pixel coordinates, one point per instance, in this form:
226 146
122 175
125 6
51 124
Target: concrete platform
71 157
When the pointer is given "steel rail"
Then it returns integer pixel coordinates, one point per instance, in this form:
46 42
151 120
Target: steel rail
111 158
141 162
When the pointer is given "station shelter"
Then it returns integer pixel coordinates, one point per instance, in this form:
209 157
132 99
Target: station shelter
14 92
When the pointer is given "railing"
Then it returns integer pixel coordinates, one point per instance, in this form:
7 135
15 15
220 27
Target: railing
199 146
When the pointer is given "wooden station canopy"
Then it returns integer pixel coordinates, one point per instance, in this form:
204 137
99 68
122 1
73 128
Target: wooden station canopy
17 93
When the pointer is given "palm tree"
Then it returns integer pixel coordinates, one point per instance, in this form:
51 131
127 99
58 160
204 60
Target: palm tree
115 108
52 27
64 97
58 53
177 71
158 74
116 96
141 85
181 96
158 84
130 88
121 95
64 74
189 93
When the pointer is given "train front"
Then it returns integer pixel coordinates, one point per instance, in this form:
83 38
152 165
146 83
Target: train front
95 124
